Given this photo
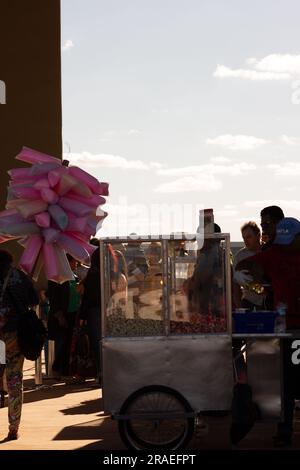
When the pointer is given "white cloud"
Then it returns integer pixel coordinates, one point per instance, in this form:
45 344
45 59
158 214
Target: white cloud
160 110
237 142
279 63
205 182
133 132
286 169
157 165
289 140
209 169
220 159
68 44
247 74
89 160
270 67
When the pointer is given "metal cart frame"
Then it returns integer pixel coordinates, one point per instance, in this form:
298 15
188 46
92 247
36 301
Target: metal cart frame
155 386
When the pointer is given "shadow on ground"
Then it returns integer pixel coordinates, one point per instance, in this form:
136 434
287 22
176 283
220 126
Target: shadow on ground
85 408
104 431
55 390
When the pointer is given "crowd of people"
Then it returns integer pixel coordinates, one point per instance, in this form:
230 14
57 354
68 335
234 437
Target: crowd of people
265 274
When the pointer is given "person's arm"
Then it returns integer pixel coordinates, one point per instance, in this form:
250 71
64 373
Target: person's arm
255 265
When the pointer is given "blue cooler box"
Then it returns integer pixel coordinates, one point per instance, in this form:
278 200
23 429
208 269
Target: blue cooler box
254 322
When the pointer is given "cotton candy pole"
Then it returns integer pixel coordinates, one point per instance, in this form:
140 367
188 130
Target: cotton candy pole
51 209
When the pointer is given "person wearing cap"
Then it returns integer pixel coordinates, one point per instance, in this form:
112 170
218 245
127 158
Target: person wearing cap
281 262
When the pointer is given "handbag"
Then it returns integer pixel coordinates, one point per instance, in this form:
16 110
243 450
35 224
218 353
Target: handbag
32 335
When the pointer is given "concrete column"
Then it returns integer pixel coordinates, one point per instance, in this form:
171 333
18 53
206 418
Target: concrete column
30 83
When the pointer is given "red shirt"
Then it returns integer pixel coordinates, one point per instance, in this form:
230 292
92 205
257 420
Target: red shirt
283 268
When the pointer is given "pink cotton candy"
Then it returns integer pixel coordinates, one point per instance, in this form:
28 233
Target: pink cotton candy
25 193
71 246
55 175
84 177
49 196
10 220
59 215
64 271
51 234
21 229
77 208
43 219
30 254
76 224
93 222
65 184
26 183
79 238
27 209
82 190
8 212
10 216
102 189
33 156
51 210
41 183
93 201
19 173
41 169
13 203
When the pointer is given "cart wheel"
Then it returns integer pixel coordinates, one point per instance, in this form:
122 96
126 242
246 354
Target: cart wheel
165 432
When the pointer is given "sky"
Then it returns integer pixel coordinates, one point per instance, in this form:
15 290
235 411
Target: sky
183 105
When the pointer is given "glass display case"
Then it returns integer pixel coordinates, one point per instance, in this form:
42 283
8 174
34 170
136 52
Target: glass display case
162 287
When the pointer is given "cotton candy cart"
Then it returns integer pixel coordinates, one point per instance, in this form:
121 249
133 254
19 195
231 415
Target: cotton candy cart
166 350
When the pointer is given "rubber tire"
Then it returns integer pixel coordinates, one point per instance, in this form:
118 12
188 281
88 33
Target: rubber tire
134 442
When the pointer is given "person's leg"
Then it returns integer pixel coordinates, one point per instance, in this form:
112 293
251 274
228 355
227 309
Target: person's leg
14 378
93 324
285 427
46 355
58 351
239 364
71 316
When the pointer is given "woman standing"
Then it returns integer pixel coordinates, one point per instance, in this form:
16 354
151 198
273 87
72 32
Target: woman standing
16 295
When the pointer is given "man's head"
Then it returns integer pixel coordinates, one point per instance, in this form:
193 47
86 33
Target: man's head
251 235
270 216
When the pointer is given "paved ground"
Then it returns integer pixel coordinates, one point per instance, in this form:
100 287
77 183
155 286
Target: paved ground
65 417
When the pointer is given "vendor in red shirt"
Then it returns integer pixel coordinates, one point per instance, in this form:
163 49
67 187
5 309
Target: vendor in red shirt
281 262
